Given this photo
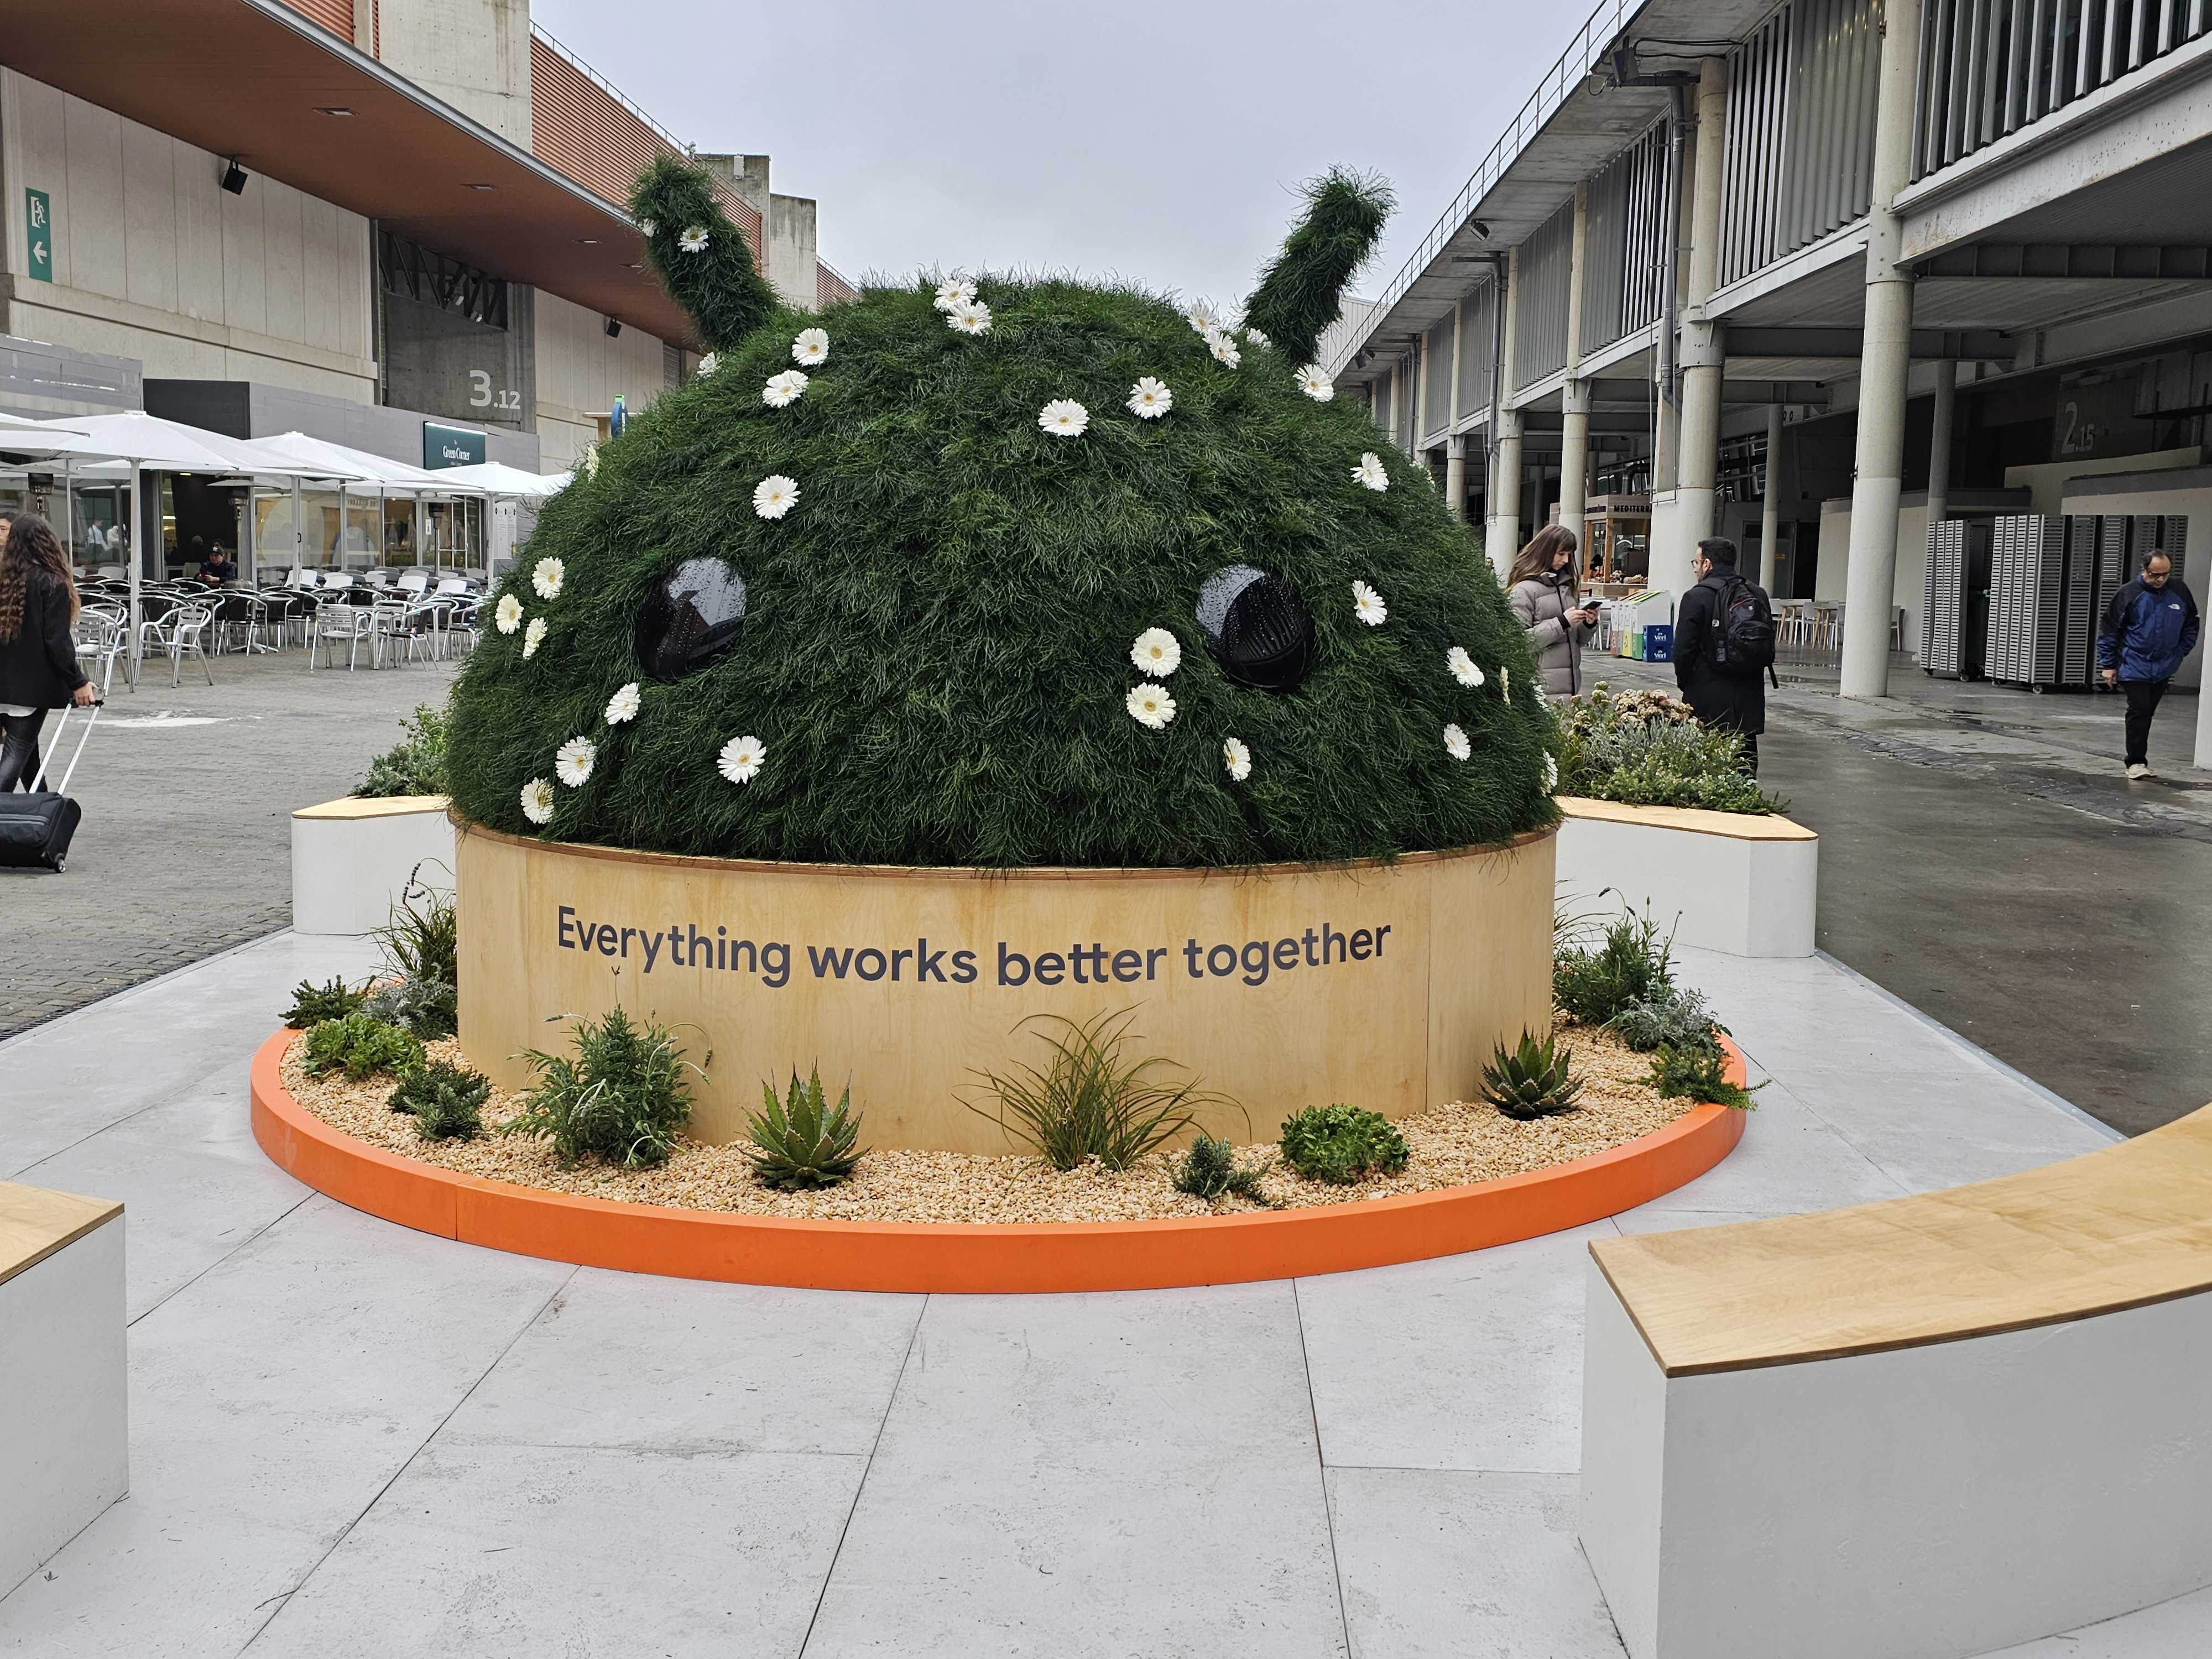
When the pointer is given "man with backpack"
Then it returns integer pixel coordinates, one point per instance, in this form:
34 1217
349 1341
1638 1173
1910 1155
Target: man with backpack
1724 647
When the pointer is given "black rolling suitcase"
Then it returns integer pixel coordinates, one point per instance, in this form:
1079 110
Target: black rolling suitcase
36 829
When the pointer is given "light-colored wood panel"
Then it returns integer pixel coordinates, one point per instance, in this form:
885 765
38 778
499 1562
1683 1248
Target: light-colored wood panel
2119 1228
35 1222
375 806
1284 987
1739 826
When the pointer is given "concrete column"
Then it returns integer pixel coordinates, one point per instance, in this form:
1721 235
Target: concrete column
1704 349
1769 506
1939 443
1456 474
1885 362
1501 537
1574 456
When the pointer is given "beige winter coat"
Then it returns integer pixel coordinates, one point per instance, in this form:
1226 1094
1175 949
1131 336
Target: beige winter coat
1543 611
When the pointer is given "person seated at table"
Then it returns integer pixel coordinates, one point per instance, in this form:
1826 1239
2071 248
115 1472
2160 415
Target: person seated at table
216 566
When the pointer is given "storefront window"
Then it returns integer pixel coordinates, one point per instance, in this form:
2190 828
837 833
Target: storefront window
364 531
401 545
98 528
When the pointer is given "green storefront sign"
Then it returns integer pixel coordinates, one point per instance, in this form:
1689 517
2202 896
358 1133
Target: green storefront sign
39 220
450 446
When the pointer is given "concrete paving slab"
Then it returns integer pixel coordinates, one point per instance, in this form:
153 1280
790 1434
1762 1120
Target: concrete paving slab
1093 1475
678 1366
1790 1160
2179 1629
1467 1362
483 1552
1454 1565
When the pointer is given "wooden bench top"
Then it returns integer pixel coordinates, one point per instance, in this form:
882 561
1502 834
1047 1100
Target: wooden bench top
34 1223
2122 1227
1738 826
372 806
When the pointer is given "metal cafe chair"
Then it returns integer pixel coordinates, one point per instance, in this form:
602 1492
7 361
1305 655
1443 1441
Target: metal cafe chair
335 623
181 630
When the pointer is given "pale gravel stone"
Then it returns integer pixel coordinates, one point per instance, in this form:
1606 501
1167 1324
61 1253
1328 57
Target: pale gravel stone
1455 1144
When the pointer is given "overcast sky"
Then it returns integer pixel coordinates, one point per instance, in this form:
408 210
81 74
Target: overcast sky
1158 142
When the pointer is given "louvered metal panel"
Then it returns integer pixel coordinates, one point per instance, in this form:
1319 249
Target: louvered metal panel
1478 328
1943 598
336 15
1988 68
1540 310
1622 248
2087 539
1436 381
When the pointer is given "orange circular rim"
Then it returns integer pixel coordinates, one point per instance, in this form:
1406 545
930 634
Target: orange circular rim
978 1257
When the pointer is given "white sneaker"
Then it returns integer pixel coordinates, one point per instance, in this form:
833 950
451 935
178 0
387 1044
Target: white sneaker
2138 770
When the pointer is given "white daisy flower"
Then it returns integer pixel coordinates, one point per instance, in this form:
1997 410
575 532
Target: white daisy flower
1456 743
1157 653
1150 398
509 614
647 226
591 462
1367 605
774 496
954 293
1064 417
623 707
572 761
693 240
1150 705
1551 774
1223 348
1202 317
1316 384
708 365
1237 758
538 801
1464 668
1505 684
1369 472
783 389
810 347
1255 338
740 759
970 317
547 577
533 636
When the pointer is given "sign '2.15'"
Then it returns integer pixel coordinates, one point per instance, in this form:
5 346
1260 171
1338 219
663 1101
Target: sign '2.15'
483 395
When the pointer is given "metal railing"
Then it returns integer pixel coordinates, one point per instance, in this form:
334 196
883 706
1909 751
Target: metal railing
1560 81
1988 68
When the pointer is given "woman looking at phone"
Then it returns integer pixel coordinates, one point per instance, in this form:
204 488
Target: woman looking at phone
1542 591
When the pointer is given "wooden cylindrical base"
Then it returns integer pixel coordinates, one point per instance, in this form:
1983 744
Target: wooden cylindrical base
1376 985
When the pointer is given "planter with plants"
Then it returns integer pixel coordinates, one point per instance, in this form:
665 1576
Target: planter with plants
1659 808
352 858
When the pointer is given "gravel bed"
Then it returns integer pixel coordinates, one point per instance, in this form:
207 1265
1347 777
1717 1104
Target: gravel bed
1455 1146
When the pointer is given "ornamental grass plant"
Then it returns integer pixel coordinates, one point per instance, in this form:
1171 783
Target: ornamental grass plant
1093 1098
1627 963
918 581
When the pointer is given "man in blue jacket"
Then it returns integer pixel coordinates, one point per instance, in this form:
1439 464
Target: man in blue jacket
2148 629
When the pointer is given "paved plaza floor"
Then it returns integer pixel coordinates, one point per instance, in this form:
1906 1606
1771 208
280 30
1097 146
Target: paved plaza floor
186 845
349 1438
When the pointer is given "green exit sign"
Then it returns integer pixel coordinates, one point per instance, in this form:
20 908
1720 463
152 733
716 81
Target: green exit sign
39 220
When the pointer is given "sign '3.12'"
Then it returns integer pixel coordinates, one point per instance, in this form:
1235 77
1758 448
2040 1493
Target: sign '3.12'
38 222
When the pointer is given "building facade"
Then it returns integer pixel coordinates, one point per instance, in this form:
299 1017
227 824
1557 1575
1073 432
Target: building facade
414 205
1828 277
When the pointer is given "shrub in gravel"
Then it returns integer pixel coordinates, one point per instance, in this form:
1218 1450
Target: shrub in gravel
428 1008
361 1046
1341 1144
1669 1016
447 1101
1630 963
312 1003
1696 1072
1210 1171
1092 1100
623 1096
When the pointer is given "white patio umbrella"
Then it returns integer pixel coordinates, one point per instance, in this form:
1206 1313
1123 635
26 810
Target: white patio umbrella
497 478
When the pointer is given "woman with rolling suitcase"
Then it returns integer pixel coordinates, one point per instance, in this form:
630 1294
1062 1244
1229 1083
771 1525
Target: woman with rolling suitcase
37 653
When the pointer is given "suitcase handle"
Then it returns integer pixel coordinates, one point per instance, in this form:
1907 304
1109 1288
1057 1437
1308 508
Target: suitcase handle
46 759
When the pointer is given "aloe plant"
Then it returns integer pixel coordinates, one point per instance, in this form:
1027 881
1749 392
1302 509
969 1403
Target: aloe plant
801 1141
1535 1080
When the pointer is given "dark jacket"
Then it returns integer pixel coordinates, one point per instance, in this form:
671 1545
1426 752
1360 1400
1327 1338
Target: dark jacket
2147 632
1721 698
38 667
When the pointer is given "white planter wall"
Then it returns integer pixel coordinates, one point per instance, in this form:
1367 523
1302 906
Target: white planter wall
1929 1502
351 859
1741 883
64 1430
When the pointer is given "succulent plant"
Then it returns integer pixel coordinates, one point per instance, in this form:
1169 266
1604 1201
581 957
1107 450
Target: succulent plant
447 1101
801 1142
1339 1144
1535 1080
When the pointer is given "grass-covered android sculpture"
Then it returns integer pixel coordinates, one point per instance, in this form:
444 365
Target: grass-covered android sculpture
1003 572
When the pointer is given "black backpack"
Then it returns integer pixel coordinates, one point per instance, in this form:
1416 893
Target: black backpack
1741 632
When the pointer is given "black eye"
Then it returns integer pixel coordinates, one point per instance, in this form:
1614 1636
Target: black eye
692 617
1256 628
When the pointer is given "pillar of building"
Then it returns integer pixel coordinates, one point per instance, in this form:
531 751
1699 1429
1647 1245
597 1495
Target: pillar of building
1574 455
1939 442
1885 363
1501 537
1704 351
1770 504
1456 474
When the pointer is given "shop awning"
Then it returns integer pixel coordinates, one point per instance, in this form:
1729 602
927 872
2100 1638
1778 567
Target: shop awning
497 478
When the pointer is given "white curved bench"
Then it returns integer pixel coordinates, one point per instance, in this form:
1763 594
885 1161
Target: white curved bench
1937 1426
1744 882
